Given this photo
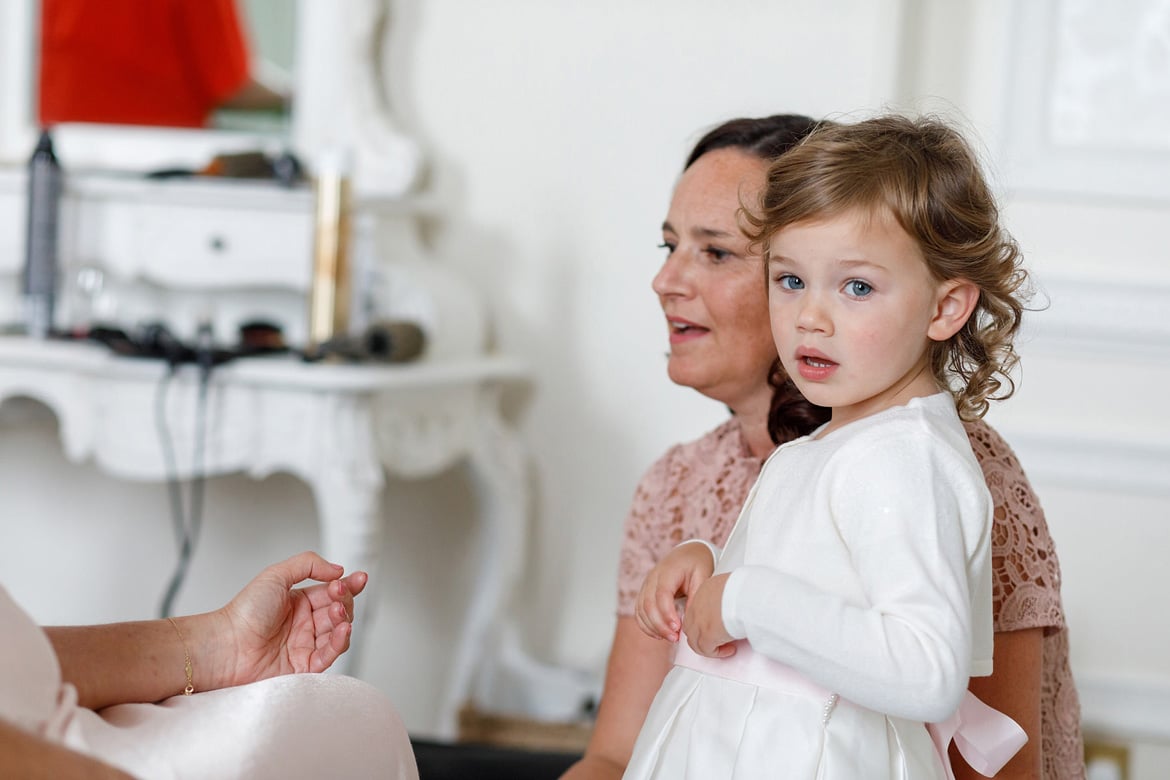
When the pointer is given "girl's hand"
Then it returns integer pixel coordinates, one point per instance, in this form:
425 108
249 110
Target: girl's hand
703 623
678 575
277 629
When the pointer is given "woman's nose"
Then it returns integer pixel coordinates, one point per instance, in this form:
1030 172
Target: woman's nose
672 278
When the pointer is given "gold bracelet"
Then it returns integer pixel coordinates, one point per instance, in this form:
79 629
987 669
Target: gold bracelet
186 659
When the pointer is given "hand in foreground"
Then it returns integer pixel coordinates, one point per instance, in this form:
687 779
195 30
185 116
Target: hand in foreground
278 630
703 622
678 575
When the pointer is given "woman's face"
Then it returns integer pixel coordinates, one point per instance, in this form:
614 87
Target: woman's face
711 286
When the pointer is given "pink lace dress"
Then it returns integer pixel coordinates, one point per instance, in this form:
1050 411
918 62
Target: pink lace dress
697 489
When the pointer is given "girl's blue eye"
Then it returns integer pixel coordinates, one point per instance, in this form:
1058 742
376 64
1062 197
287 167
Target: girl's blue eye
857 288
790 282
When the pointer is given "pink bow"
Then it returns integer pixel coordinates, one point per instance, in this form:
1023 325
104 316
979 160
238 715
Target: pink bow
986 738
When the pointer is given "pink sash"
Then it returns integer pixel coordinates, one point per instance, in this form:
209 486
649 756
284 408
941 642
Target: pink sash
986 738
748 666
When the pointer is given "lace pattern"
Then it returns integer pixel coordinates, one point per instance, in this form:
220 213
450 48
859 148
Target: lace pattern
1026 594
695 490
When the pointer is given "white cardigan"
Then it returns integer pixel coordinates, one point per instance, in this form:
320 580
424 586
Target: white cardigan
863 560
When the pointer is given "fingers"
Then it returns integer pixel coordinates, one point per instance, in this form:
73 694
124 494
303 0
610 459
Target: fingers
725 650
356 582
654 629
331 650
305 566
703 623
706 645
655 612
340 612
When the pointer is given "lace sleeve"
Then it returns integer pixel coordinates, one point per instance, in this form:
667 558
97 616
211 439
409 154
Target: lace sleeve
647 537
1025 569
694 491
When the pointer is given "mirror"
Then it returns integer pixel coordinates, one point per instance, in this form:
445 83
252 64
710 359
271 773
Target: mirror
337 77
208 64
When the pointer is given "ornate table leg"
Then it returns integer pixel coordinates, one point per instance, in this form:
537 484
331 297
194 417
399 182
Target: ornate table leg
347 486
497 465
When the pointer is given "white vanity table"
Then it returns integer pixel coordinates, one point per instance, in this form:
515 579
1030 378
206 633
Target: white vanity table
184 251
334 426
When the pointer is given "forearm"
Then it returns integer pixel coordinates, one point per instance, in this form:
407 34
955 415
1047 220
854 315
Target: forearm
1014 689
142 661
30 757
637 665
908 660
593 767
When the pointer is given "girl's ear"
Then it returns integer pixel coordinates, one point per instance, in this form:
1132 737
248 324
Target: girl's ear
956 300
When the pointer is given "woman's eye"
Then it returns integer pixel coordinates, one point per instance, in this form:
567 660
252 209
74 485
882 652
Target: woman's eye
790 282
669 247
718 255
857 288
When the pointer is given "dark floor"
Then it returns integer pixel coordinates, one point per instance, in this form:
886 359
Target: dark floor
451 761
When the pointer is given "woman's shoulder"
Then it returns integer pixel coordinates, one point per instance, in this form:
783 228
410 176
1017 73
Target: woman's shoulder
695 490
718 449
724 439
1027 575
1005 476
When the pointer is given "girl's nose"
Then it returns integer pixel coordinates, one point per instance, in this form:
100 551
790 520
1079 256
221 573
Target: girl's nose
813 316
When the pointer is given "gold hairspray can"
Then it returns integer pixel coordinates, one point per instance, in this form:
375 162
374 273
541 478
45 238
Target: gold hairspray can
329 294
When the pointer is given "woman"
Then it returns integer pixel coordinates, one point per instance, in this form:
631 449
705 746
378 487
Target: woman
77 702
712 293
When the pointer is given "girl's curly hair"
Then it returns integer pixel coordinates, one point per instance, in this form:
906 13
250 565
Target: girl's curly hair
924 174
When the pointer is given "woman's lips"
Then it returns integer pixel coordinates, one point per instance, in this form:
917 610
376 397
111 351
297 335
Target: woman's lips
682 331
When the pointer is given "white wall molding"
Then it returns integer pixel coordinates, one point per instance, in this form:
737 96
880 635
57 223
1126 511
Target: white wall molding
1079 65
1094 321
1089 463
1134 709
1127 318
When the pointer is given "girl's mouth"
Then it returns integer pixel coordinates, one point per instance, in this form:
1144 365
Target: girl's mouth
814 366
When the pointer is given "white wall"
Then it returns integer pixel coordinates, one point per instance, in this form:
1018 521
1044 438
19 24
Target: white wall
554 132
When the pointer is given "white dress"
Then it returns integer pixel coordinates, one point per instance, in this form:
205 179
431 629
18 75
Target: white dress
860 587
293 726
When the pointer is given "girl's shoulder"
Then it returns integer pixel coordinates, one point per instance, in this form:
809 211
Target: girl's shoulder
922 428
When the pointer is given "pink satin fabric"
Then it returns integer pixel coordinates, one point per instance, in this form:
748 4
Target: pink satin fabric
748 666
986 738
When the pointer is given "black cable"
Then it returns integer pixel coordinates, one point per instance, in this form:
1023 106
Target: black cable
186 527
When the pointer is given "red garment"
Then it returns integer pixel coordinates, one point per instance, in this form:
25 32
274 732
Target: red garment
140 62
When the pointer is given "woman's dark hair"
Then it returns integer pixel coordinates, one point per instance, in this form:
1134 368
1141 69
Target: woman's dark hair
790 415
765 137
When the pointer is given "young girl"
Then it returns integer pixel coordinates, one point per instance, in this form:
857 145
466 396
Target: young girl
853 599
